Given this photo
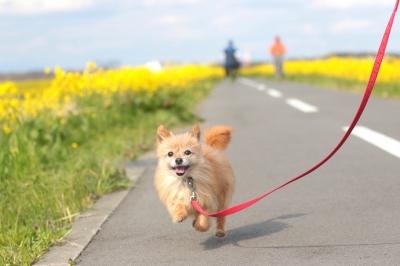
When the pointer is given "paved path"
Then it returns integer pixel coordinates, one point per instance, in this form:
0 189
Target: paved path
346 213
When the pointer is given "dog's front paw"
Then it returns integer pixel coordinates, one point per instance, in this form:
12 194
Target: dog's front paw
179 216
201 224
178 219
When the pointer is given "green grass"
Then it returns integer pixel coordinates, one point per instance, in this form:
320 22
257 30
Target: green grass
54 168
384 90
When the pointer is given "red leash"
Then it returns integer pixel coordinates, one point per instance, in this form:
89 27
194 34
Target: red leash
364 101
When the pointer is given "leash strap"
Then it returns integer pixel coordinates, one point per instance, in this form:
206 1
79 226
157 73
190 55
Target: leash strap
364 101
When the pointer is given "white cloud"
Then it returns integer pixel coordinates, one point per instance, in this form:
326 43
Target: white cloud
223 21
25 47
182 33
308 29
153 3
346 4
349 25
170 19
32 7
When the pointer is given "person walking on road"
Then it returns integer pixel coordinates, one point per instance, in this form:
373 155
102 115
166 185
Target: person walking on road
277 51
231 62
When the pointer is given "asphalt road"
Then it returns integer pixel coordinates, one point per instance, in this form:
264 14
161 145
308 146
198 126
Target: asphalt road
346 213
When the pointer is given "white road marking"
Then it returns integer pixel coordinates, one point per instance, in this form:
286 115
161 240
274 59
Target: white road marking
388 144
296 103
261 87
274 93
301 106
249 82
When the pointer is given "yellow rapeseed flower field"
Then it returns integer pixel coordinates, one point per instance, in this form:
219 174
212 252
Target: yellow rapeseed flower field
59 96
349 68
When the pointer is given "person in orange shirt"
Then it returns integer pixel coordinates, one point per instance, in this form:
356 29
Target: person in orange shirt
277 51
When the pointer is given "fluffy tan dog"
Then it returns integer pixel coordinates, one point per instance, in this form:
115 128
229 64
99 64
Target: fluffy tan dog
183 156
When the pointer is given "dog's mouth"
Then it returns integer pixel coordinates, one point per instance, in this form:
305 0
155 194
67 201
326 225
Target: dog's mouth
180 170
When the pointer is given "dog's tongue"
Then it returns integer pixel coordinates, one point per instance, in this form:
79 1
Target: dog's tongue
180 170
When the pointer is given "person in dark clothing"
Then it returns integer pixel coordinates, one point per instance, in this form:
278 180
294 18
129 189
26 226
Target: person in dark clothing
231 62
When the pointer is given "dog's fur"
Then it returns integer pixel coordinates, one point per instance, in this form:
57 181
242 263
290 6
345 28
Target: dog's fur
211 172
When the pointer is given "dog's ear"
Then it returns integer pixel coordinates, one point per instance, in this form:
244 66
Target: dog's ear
196 131
162 133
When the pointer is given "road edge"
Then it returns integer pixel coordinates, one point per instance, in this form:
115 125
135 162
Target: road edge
89 223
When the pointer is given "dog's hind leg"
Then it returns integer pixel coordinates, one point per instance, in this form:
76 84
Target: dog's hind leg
220 227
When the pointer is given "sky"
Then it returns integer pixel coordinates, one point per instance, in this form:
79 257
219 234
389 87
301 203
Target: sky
68 33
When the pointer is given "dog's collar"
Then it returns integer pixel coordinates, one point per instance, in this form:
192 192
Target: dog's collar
190 184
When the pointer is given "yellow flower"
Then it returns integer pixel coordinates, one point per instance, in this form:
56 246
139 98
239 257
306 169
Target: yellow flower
91 65
61 96
14 150
74 145
350 68
47 70
6 129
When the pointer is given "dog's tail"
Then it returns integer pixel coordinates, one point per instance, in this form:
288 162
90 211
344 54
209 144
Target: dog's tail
218 137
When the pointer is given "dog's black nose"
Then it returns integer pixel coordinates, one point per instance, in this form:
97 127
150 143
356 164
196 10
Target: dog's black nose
178 160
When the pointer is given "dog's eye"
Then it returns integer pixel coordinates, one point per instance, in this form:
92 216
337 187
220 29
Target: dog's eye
187 152
170 154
